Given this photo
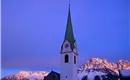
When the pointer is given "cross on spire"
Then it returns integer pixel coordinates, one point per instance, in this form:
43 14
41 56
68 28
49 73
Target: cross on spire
69 3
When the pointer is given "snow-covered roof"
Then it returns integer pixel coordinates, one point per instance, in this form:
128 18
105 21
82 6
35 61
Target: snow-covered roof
125 72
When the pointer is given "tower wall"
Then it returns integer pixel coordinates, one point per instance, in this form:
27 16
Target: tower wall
68 70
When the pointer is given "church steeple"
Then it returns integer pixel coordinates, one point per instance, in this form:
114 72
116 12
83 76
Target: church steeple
69 53
69 31
69 43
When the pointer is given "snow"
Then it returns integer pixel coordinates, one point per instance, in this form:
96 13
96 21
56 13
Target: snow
35 78
91 75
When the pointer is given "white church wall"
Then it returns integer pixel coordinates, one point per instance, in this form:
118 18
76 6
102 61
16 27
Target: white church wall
68 69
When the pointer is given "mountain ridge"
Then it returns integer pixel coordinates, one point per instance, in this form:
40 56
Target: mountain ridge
104 63
93 66
27 75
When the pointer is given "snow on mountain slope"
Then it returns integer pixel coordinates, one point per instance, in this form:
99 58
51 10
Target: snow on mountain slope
102 73
27 75
90 74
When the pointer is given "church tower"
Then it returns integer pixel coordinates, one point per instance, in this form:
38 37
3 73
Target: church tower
68 53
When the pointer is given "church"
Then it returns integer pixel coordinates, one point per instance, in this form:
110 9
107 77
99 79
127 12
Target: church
69 54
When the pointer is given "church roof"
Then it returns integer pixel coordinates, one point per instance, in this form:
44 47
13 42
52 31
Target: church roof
69 31
52 76
125 72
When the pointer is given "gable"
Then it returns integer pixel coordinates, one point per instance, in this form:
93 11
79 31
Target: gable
52 76
66 47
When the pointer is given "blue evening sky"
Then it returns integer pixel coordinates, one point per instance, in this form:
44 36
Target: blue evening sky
33 31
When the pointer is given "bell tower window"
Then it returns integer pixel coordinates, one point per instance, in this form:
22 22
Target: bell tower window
74 59
66 58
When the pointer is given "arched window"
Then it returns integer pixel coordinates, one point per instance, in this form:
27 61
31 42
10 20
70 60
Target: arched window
66 58
74 59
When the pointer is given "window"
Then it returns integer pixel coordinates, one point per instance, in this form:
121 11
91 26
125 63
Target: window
66 58
74 59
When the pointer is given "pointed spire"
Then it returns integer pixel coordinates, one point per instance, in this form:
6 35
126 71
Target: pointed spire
69 30
69 3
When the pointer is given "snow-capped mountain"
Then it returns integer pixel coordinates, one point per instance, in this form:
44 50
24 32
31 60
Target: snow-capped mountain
93 68
103 63
27 75
101 69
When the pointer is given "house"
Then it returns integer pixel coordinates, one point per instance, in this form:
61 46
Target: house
124 74
52 76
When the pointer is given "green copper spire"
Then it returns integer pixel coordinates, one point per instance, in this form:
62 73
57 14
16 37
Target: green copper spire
69 31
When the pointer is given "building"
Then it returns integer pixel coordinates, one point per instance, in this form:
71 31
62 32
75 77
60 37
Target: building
52 76
124 74
69 54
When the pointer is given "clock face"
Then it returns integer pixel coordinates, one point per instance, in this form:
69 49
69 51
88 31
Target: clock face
66 45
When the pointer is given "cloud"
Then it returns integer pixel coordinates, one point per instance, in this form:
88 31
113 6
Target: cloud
32 62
